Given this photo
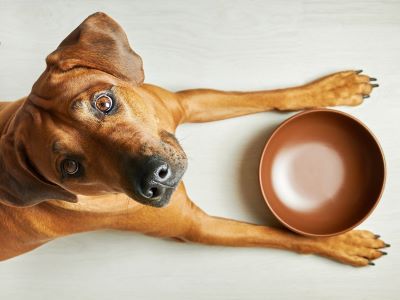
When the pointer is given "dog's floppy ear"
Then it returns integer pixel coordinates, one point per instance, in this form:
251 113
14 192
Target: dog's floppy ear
20 182
99 43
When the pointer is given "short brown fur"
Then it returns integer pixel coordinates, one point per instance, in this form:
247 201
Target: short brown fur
38 207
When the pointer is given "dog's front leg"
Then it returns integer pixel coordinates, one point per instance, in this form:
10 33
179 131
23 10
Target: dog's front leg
342 88
357 247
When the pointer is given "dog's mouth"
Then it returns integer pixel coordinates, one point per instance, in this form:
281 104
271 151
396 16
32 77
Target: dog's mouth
160 201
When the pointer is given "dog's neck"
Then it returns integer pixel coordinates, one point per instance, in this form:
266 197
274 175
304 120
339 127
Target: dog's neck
100 205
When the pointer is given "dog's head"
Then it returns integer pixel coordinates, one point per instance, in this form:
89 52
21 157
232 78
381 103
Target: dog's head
89 128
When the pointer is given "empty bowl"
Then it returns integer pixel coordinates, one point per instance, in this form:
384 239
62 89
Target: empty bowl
322 172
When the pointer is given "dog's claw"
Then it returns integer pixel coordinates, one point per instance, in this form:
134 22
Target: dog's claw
372 79
383 252
386 245
371 263
374 85
365 96
359 71
376 236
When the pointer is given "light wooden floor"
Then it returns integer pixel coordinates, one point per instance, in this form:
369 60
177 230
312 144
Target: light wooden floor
226 45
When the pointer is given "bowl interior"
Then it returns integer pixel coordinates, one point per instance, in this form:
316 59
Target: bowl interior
322 172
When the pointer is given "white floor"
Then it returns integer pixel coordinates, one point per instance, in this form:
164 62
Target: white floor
226 45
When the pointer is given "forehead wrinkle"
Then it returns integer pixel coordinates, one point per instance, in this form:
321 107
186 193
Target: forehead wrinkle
55 85
66 144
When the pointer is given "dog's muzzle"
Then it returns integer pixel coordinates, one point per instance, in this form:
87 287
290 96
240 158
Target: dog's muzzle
155 181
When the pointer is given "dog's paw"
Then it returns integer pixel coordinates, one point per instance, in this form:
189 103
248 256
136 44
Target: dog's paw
342 88
357 247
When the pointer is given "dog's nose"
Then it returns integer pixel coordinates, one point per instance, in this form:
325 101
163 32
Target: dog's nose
154 182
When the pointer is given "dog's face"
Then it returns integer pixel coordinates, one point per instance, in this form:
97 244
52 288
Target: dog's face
89 128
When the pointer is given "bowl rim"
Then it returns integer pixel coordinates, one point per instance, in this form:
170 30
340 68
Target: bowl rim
311 111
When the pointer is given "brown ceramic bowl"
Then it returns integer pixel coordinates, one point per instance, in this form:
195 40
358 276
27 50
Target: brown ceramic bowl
322 172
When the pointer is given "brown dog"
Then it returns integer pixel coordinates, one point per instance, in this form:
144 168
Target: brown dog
92 147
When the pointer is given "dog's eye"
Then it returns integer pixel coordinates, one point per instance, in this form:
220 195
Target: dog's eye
104 103
70 166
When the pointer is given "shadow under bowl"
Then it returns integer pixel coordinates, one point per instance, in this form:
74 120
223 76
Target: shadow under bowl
322 172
